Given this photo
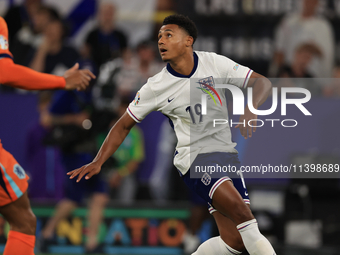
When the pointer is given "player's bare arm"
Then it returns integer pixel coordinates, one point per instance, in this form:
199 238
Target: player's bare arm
111 143
261 90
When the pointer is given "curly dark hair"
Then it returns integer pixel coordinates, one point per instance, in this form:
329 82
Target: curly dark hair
183 22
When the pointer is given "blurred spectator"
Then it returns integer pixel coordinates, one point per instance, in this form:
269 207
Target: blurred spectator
303 55
136 70
86 61
164 8
161 186
333 88
159 183
19 16
53 56
106 42
305 27
105 95
30 37
69 110
68 119
125 76
43 163
199 213
127 159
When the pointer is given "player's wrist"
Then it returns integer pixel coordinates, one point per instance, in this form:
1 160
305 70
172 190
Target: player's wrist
63 82
255 105
98 162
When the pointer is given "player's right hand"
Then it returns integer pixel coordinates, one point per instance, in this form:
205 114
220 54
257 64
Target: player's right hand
247 130
89 170
78 79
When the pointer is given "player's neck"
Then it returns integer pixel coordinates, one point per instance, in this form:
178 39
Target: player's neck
184 64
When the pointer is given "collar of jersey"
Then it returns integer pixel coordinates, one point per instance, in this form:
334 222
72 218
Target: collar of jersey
174 73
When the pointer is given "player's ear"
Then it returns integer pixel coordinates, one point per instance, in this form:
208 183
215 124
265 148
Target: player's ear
189 41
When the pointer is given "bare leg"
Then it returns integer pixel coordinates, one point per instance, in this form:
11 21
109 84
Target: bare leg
20 216
228 231
22 221
199 214
63 209
229 202
96 208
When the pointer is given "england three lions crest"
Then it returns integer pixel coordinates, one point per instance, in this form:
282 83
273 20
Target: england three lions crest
206 179
207 84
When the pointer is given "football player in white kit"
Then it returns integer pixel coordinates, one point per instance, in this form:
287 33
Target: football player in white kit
169 92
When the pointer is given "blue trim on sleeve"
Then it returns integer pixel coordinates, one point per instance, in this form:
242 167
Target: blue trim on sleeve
2 183
12 183
4 55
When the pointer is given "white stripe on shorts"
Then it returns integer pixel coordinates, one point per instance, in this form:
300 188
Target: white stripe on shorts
212 209
215 186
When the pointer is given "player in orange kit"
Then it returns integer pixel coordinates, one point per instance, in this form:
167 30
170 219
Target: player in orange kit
14 202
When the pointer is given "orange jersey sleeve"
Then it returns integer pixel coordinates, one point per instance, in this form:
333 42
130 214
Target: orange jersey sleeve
25 78
19 76
4 39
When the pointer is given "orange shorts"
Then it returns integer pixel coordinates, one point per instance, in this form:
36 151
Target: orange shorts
13 179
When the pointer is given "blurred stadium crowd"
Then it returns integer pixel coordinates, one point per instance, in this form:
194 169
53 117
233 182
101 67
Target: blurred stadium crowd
117 41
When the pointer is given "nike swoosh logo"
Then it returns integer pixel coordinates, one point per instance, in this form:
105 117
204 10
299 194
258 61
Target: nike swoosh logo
169 100
246 193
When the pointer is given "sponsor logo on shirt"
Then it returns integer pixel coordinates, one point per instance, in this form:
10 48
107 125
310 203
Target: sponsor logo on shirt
3 43
236 67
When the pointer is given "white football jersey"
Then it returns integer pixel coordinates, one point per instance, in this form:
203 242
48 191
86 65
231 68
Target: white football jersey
179 97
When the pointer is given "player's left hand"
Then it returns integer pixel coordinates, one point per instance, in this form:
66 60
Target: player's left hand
89 170
245 129
78 79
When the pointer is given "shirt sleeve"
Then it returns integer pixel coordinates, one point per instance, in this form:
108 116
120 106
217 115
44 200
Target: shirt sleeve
18 76
234 73
4 51
143 104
